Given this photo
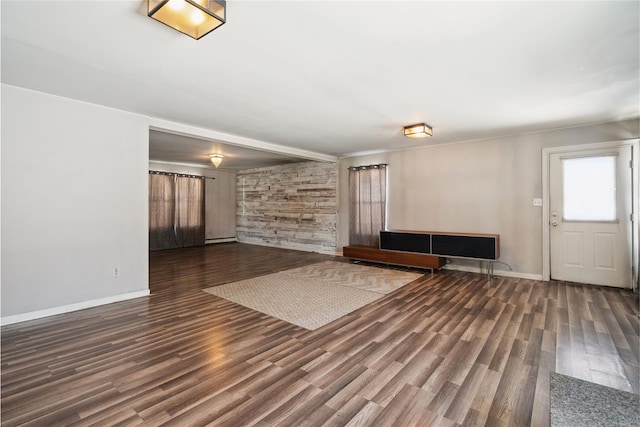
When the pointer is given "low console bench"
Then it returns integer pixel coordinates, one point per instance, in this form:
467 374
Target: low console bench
427 249
408 259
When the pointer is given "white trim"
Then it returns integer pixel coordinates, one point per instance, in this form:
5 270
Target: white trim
546 154
71 307
191 165
503 273
186 130
635 207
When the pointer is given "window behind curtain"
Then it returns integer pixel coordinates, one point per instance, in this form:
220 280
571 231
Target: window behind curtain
176 211
367 204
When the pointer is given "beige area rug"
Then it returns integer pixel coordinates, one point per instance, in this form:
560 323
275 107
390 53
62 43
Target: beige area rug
316 294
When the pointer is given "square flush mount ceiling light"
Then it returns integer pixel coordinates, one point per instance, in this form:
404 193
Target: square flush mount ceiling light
195 18
419 130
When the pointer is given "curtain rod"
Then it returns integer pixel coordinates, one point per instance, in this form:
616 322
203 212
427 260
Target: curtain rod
355 168
179 174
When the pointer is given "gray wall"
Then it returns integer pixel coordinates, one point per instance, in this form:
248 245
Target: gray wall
482 186
220 197
74 202
292 206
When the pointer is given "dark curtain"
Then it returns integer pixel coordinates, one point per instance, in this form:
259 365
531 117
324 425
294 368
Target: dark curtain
367 204
176 211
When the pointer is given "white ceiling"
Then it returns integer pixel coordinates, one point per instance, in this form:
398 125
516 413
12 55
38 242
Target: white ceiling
334 78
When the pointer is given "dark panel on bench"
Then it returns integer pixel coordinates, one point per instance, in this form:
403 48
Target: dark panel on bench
406 242
464 246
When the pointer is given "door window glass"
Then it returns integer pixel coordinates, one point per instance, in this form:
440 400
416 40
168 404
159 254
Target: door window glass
589 188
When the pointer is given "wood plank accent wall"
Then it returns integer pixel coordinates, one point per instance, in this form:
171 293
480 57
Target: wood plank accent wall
291 206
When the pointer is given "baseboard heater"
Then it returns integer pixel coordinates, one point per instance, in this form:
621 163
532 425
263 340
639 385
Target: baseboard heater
220 240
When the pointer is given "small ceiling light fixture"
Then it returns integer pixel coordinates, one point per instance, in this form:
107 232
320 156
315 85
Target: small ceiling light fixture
195 18
420 130
216 159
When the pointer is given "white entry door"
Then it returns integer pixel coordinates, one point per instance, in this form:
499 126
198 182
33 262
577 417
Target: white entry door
590 216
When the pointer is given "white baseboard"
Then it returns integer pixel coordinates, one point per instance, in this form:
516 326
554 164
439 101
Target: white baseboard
71 307
503 273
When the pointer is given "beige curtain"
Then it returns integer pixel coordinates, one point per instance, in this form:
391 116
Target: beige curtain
189 211
176 211
367 204
161 212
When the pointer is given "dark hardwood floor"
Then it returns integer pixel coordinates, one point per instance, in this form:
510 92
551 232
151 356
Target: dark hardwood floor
448 349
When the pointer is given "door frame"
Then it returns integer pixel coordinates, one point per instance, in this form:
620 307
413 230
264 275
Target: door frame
635 236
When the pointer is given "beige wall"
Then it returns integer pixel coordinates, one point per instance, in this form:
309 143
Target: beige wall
483 186
220 206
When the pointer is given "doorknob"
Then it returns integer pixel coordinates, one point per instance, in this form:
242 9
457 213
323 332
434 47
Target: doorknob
554 223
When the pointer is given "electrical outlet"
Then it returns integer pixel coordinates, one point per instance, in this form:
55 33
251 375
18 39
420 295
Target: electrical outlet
116 272
537 202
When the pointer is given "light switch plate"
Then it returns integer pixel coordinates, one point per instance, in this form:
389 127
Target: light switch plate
537 202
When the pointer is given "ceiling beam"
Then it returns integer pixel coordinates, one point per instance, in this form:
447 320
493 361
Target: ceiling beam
225 138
